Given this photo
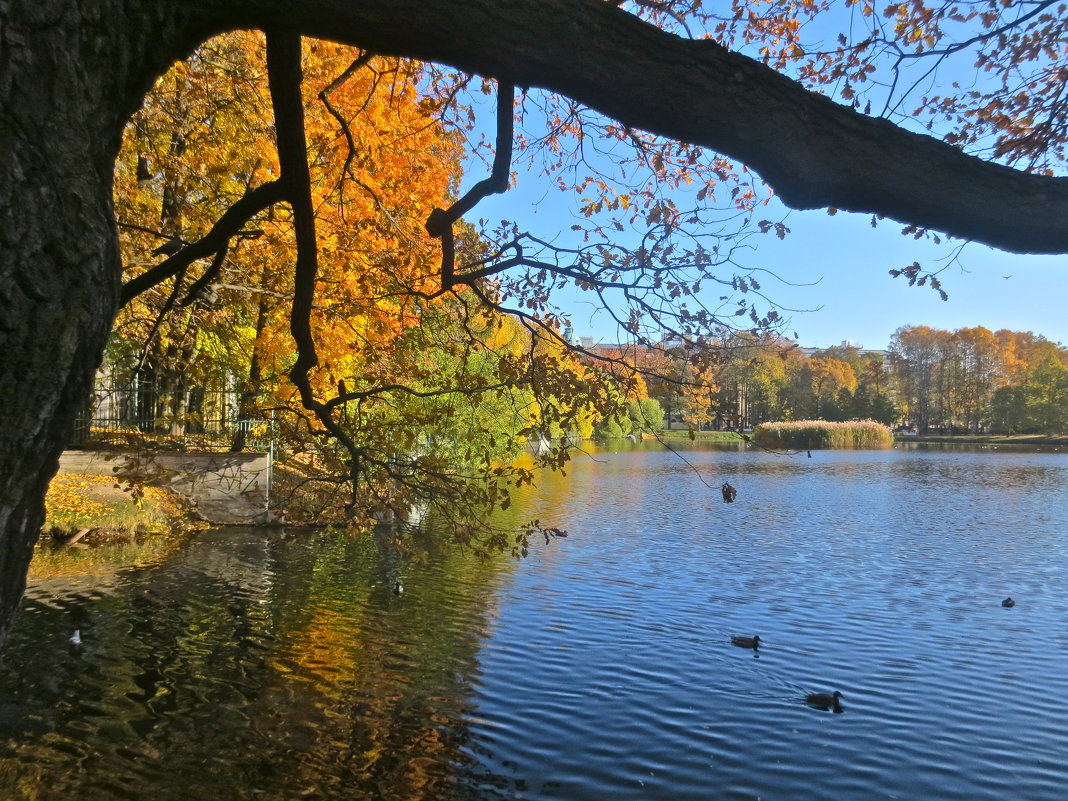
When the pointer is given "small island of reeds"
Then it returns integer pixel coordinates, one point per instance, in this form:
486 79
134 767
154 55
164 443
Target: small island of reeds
820 434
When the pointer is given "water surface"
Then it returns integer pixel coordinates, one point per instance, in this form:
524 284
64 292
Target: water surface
252 664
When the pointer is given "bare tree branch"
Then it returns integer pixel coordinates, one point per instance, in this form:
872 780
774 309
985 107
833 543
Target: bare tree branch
284 76
229 225
440 222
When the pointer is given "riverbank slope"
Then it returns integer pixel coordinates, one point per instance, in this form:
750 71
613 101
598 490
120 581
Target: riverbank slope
78 505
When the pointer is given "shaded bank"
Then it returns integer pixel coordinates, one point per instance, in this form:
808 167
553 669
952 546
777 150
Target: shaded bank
1015 440
78 505
221 488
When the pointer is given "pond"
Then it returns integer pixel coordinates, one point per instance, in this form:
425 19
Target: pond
246 664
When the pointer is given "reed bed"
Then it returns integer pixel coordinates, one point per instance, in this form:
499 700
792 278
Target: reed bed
820 434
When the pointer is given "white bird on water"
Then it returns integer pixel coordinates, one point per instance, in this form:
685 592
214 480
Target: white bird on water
76 637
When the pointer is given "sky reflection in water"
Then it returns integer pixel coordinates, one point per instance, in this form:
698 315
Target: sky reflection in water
248 664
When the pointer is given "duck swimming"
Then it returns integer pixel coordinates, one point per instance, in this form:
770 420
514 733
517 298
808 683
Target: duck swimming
825 700
745 642
1008 603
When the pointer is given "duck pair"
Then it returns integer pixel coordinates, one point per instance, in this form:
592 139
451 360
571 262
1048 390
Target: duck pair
831 701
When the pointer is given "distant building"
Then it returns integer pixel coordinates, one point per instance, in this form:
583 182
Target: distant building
849 343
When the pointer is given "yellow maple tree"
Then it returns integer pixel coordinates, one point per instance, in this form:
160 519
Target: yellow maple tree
380 161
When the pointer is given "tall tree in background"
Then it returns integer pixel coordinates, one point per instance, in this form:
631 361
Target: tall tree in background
972 379
979 360
753 384
72 74
1047 391
914 358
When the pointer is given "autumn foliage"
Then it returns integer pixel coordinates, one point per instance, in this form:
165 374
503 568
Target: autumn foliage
988 75
414 351
975 380
431 388
379 164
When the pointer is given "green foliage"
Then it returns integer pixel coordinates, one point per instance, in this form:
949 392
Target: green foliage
820 434
867 403
614 426
641 416
1047 395
646 415
769 378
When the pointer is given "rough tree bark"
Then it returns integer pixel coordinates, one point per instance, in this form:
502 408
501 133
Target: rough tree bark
69 80
71 73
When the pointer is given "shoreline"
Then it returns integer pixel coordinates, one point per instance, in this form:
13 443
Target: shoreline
82 507
1015 440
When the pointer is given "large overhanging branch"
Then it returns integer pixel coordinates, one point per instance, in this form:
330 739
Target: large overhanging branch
348 396
814 152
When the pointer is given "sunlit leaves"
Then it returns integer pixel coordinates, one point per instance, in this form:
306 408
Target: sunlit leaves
379 165
917 277
974 379
74 502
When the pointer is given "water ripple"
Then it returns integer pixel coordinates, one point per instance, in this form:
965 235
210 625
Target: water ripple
254 665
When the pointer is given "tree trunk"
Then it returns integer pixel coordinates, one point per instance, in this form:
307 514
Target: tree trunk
248 405
65 93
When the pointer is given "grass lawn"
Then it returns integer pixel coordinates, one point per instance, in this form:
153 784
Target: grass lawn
701 436
987 439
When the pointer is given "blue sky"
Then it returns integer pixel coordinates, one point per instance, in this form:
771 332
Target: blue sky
857 299
838 267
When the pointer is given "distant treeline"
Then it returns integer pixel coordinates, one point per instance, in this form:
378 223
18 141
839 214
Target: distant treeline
974 380
971 380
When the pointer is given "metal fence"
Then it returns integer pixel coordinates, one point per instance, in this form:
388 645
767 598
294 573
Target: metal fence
191 416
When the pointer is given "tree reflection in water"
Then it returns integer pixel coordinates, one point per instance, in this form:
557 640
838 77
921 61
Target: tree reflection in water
243 664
